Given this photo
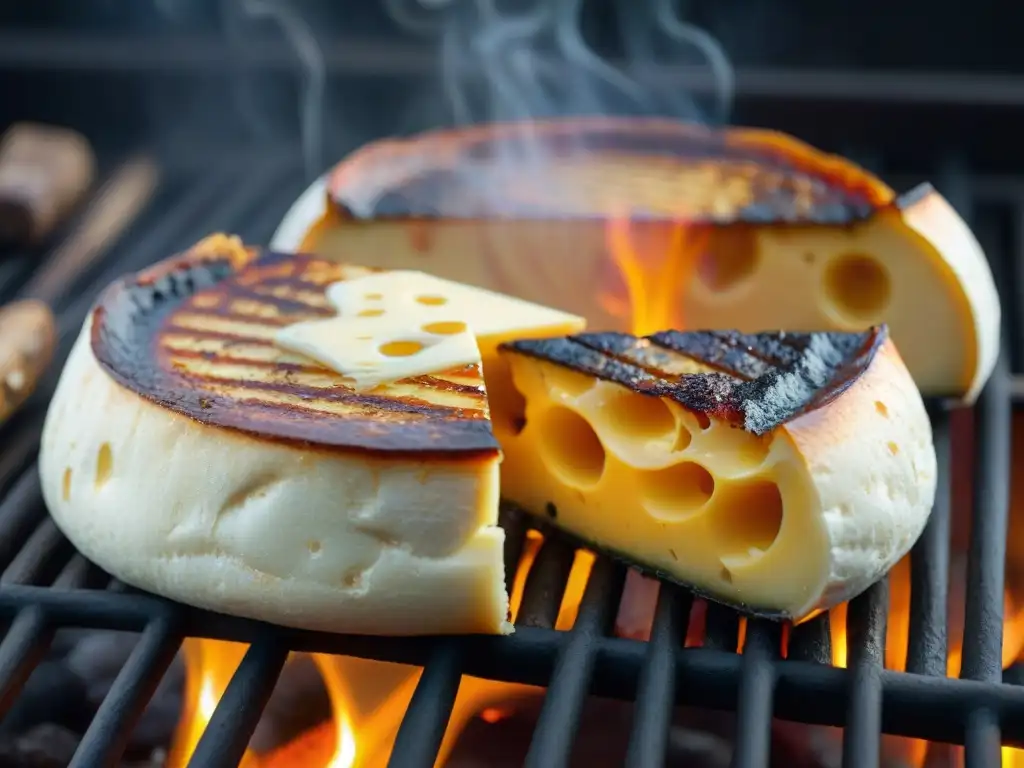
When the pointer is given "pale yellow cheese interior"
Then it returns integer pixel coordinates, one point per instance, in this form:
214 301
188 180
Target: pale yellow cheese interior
748 278
702 502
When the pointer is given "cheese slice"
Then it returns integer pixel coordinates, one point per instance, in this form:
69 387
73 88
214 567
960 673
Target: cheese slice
188 454
396 325
372 352
725 222
780 473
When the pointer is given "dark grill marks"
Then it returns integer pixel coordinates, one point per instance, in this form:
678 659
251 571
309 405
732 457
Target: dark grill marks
766 380
162 337
772 180
715 350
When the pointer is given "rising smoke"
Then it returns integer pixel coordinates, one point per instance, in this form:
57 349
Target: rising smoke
513 61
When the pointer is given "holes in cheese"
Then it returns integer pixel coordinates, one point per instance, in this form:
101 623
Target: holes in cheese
730 258
567 383
432 301
675 491
857 286
445 327
637 423
104 466
397 348
746 520
756 478
572 449
372 351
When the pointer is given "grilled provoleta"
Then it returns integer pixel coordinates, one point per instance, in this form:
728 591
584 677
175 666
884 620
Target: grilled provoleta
780 473
187 453
523 209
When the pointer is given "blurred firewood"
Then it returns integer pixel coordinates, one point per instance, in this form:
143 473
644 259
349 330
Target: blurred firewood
27 340
44 172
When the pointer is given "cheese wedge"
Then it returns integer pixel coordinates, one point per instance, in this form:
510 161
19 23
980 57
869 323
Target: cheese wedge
188 454
529 210
780 473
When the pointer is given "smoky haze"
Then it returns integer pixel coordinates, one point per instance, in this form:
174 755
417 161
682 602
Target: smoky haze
530 59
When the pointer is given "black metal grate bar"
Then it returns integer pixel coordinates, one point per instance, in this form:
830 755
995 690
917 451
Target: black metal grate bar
865 632
107 735
22 648
811 641
545 584
754 701
227 735
42 557
929 569
721 627
512 522
652 716
559 719
422 730
983 611
19 511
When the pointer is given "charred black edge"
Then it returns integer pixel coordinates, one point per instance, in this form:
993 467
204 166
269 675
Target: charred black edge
548 528
127 320
728 394
417 197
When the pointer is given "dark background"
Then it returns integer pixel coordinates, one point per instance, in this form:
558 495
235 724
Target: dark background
913 79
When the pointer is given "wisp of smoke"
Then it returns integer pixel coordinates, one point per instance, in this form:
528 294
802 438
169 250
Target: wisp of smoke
314 75
532 61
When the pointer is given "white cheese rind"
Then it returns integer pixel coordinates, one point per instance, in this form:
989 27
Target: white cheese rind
306 211
871 460
941 228
334 541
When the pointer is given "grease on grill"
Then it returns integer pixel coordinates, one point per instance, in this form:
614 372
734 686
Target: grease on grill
761 380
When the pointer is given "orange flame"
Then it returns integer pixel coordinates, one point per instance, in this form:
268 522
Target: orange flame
651 263
368 698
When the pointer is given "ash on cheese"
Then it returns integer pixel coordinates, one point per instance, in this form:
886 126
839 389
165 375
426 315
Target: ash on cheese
396 325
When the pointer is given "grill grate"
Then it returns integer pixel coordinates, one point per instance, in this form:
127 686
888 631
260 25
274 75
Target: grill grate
45 585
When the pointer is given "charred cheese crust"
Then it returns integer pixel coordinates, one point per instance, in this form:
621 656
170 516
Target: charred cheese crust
187 455
777 215
780 473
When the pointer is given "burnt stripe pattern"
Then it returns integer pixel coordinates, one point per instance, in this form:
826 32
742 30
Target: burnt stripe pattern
756 381
195 335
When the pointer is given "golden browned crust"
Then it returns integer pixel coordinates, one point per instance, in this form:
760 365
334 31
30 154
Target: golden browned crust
580 167
194 334
758 381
